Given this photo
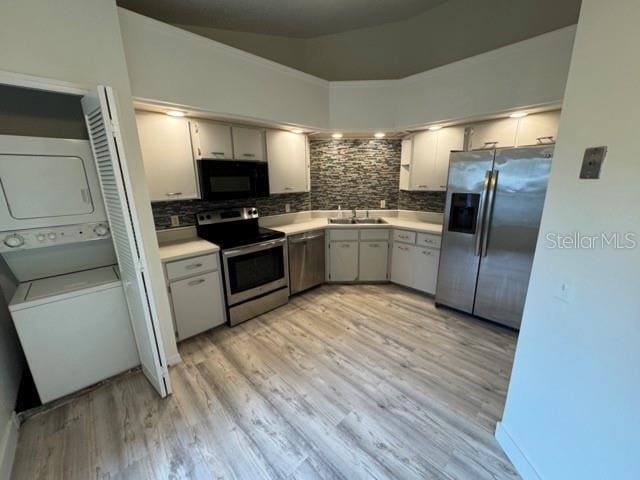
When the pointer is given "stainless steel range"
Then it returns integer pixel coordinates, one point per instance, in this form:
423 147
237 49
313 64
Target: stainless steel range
254 261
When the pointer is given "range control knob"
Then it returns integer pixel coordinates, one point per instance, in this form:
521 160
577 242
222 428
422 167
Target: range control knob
101 230
52 236
41 237
13 241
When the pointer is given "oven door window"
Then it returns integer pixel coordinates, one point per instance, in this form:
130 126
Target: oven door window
255 269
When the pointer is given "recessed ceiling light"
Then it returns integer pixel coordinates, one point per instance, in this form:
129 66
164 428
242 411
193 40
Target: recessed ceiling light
175 113
297 130
435 128
519 114
336 135
379 134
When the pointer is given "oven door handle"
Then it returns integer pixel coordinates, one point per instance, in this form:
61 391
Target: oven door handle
253 248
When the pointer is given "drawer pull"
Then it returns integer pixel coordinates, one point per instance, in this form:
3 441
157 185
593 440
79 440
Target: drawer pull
375 245
345 245
423 186
193 265
424 252
248 155
405 237
193 283
173 194
217 153
404 249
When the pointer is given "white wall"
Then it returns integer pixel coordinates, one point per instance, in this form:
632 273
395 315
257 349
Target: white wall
170 65
528 73
573 408
11 366
79 41
176 66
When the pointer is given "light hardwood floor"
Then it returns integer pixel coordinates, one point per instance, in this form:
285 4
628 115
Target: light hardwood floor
344 382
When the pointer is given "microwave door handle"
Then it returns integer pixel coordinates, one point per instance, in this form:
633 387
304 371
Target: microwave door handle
481 212
488 216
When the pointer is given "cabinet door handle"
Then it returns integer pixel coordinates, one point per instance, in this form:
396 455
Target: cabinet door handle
425 252
193 265
404 237
374 245
173 194
544 140
217 153
423 186
490 144
404 249
288 188
248 155
193 283
345 245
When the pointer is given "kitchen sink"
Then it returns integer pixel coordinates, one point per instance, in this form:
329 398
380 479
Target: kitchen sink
356 221
370 220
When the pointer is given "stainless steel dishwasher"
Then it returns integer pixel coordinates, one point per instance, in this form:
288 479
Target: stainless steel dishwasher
306 260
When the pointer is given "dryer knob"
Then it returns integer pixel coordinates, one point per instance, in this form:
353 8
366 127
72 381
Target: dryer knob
13 240
101 230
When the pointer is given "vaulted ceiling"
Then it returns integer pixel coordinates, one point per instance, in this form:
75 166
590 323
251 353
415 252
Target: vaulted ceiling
292 18
363 39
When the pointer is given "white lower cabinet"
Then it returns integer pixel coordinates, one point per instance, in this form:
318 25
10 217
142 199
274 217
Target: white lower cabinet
414 265
374 256
425 269
197 298
402 264
343 261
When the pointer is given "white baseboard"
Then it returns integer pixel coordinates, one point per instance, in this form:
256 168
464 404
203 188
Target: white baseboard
517 456
8 444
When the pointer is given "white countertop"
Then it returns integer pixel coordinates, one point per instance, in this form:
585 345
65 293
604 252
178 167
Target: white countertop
392 222
185 249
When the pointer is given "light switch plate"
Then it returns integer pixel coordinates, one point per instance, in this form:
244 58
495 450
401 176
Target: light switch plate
383 204
564 290
287 208
592 162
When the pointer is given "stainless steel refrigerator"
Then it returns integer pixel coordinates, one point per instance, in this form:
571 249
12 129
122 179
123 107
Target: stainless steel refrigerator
491 222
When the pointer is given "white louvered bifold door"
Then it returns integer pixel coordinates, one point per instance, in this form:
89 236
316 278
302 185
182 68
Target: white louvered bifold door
106 142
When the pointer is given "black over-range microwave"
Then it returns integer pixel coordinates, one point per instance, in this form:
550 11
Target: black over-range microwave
226 179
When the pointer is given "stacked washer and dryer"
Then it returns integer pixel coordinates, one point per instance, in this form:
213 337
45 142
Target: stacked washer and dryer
68 307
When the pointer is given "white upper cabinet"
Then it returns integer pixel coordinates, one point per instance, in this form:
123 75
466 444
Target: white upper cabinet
430 153
287 154
538 129
495 134
167 156
449 139
248 144
423 160
211 140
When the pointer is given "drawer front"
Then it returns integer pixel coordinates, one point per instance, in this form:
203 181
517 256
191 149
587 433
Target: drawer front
404 236
429 240
374 234
191 266
342 234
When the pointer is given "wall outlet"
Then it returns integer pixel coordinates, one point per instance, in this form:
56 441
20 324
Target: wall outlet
383 204
563 290
287 208
175 221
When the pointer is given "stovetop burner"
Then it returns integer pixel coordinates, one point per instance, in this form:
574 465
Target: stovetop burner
233 228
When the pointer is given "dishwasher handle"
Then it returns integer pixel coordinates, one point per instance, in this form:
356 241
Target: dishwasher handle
305 238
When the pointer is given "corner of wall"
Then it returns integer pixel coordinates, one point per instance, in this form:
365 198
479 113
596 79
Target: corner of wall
8 445
513 452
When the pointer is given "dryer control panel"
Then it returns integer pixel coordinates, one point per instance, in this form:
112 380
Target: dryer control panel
48 237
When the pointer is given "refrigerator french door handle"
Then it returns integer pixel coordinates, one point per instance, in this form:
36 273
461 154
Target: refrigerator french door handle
480 220
488 216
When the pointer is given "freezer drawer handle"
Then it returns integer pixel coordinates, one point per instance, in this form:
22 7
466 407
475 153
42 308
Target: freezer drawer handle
489 213
480 216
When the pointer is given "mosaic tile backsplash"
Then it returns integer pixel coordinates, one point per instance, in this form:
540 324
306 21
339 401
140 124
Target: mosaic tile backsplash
354 173
346 173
